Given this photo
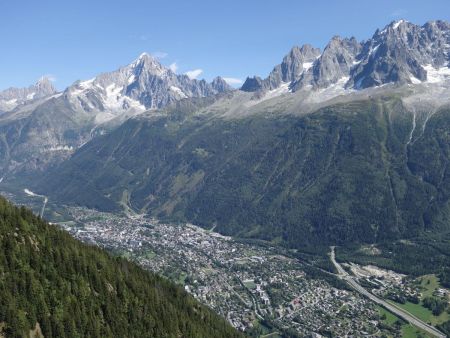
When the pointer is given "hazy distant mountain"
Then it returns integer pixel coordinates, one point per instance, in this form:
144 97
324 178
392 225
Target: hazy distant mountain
12 97
42 132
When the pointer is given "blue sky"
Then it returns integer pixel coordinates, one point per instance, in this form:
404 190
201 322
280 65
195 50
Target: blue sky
72 40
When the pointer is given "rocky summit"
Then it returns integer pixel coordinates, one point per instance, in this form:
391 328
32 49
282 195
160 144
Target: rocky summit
13 97
401 53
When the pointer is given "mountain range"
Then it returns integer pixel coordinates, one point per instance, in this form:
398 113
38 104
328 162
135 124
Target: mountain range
401 53
348 144
13 97
43 127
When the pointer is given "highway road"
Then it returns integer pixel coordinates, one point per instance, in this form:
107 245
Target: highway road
392 308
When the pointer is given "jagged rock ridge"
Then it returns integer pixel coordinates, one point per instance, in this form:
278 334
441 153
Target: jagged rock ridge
401 53
12 97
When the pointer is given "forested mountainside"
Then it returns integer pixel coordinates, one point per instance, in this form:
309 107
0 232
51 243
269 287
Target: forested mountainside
359 171
52 285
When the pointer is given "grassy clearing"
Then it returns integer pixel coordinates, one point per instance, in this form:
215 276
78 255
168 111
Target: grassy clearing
408 330
250 285
390 318
423 313
428 283
415 309
149 254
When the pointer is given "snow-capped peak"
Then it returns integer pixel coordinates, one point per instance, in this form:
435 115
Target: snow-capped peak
397 23
394 25
143 55
143 84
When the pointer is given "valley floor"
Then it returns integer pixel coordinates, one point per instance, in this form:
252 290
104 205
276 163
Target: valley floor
263 290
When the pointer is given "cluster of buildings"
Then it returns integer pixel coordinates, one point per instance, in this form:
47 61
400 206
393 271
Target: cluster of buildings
244 283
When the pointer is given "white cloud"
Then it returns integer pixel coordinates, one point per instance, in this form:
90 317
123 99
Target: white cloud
232 80
400 12
173 67
50 77
193 74
159 55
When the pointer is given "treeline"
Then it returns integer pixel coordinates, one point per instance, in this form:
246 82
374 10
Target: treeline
74 290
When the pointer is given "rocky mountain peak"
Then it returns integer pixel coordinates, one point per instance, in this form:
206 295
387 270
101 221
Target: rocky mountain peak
400 53
143 84
44 87
294 64
220 85
147 63
13 97
91 107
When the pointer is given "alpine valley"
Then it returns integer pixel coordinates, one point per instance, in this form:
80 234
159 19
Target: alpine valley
345 145
246 196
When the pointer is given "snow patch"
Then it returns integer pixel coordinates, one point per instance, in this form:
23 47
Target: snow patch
144 54
437 75
374 49
415 80
31 96
61 148
282 89
337 88
178 91
115 100
398 23
307 66
11 102
131 79
86 84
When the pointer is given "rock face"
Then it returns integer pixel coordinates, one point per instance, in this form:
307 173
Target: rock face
401 53
297 62
144 84
39 133
13 97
